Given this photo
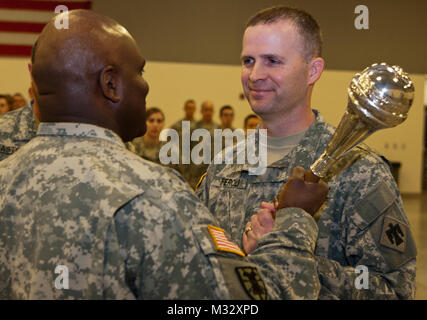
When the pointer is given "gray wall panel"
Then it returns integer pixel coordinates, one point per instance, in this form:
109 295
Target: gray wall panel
210 31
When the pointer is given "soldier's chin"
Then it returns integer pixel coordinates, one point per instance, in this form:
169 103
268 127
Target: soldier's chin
259 107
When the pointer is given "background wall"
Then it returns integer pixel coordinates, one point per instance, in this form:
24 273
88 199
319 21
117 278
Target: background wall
14 76
171 84
202 31
425 91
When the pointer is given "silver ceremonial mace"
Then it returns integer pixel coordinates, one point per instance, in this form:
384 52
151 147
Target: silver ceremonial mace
379 97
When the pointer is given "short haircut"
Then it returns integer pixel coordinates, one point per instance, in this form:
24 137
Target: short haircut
305 24
8 98
245 123
227 107
206 104
189 101
153 110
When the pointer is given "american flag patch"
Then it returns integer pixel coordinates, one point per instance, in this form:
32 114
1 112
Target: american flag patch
222 243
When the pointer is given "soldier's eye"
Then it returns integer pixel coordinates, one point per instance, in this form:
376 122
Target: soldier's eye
274 61
247 61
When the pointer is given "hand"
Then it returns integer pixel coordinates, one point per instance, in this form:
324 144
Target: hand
261 223
299 193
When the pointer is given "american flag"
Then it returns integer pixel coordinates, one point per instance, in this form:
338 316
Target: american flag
22 20
222 242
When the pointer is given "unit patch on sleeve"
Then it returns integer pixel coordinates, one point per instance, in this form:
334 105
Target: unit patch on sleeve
252 282
394 234
222 242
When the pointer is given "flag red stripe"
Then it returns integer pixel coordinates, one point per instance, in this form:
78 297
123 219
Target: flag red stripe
228 245
222 246
15 50
21 26
221 234
224 242
43 5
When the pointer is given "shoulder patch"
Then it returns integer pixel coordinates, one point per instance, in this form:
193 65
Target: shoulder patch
222 242
394 234
252 282
200 181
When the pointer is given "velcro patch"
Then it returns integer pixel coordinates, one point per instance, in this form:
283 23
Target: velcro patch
252 282
394 234
222 242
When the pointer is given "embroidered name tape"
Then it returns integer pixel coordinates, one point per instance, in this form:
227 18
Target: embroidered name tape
8 150
225 182
222 242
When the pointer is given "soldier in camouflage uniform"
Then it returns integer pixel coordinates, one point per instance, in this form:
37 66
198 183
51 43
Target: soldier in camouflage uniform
363 221
206 123
187 125
19 126
16 129
123 227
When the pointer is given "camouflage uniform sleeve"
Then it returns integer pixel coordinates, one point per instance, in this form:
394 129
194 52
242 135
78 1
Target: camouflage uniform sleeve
164 241
158 247
285 256
380 245
131 147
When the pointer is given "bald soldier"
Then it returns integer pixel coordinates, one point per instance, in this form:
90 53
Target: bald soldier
82 217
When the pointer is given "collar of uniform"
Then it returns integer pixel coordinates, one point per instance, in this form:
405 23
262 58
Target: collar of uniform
309 147
80 130
26 124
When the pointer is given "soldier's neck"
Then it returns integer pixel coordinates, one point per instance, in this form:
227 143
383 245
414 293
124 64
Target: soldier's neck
288 124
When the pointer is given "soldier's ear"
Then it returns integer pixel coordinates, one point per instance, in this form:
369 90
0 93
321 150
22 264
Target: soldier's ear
316 68
110 83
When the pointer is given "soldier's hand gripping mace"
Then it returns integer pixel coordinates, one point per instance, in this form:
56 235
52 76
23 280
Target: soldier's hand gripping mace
379 97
